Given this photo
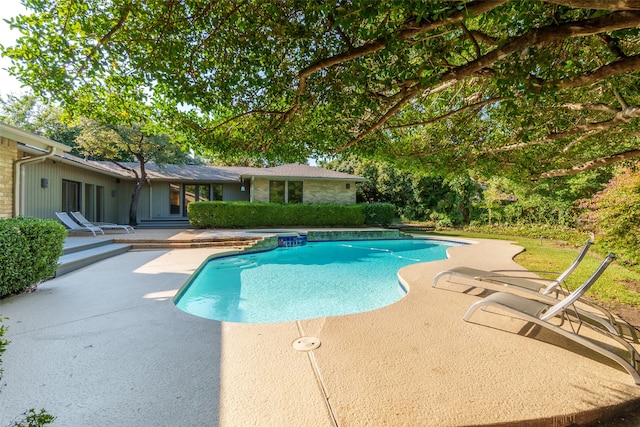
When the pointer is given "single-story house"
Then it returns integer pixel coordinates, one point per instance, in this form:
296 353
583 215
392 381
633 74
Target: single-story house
40 177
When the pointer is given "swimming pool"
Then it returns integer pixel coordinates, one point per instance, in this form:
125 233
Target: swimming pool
316 280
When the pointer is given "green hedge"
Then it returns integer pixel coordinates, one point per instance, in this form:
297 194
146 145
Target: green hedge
30 251
380 214
247 215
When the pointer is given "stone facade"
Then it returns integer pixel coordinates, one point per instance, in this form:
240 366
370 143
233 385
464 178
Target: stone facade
313 191
8 156
260 190
329 192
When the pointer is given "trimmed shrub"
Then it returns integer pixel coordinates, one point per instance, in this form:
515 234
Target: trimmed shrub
380 214
247 215
31 248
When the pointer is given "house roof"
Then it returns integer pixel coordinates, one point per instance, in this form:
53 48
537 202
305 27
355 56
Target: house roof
230 173
174 172
296 170
183 173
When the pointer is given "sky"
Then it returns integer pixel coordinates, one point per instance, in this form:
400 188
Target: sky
9 8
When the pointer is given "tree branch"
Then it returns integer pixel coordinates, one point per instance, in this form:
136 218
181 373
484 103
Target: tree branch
470 36
599 4
473 9
484 38
405 99
132 170
213 33
125 14
475 106
579 139
593 164
246 113
615 68
623 116
620 98
613 45
544 35
592 107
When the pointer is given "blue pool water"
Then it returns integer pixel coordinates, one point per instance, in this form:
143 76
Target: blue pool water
316 280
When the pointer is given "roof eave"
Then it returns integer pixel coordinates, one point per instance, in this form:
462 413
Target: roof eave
30 139
315 178
70 161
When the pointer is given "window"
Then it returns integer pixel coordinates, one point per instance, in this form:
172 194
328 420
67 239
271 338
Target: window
216 192
174 199
285 191
196 193
294 192
70 196
191 193
276 191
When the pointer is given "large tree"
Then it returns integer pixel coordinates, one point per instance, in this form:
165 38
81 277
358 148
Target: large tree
120 144
537 88
125 144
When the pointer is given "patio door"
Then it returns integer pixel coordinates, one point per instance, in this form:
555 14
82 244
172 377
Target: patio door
99 203
195 193
90 202
70 196
175 199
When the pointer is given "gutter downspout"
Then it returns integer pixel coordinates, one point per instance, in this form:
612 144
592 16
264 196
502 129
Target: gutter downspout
18 191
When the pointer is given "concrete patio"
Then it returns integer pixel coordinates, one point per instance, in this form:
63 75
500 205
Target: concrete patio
105 346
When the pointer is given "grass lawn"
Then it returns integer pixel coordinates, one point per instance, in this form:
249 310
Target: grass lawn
617 289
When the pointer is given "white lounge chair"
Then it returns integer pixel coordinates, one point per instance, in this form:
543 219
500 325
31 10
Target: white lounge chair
497 277
495 280
541 313
66 220
102 225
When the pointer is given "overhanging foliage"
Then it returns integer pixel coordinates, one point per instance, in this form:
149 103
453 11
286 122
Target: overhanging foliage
527 87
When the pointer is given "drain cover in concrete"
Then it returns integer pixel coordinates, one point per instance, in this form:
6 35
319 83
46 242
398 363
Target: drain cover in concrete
306 343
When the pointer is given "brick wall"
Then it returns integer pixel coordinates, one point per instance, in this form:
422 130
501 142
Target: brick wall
313 191
329 192
260 190
8 155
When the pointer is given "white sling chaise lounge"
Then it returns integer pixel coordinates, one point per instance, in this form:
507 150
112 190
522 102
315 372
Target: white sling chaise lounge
497 277
542 313
102 225
66 220
494 280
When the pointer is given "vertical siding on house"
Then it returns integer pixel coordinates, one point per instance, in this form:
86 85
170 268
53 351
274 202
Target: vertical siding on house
233 193
121 202
44 202
159 192
8 155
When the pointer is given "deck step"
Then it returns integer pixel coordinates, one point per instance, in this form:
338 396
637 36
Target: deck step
83 255
235 243
163 224
78 245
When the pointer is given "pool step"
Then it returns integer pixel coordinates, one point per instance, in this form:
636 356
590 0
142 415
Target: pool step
221 242
80 253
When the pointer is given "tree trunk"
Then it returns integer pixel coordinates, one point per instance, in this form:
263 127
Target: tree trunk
133 207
